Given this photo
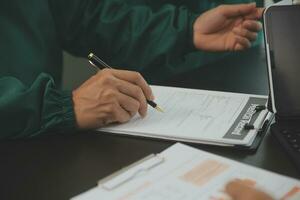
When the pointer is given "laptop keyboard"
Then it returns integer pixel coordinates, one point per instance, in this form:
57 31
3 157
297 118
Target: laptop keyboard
289 138
293 139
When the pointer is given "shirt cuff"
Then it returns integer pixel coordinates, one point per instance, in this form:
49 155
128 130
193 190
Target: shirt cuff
58 113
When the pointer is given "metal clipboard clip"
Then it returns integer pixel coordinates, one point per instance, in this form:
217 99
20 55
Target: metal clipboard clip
130 172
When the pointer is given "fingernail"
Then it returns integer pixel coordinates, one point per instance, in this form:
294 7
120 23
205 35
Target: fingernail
152 97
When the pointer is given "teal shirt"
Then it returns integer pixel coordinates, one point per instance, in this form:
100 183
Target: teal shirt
152 37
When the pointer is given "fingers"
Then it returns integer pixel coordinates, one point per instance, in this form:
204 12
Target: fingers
245 33
236 189
119 114
105 98
129 104
240 190
115 106
130 84
134 92
135 78
237 10
133 85
252 25
241 43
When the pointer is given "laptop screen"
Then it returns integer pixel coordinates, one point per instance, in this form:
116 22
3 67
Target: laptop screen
283 32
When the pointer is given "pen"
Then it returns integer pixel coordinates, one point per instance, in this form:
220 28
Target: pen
94 59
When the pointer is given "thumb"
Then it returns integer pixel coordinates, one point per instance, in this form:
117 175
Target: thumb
237 10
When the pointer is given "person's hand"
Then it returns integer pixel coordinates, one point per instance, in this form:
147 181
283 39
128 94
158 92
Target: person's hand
110 96
241 190
227 27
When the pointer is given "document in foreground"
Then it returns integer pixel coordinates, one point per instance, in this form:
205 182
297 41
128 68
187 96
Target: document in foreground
185 173
198 116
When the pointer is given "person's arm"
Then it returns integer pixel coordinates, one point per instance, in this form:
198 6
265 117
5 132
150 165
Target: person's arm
132 37
109 96
37 109
154 42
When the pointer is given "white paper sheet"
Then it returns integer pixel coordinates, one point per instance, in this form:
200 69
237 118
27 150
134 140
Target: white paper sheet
189 174
198 115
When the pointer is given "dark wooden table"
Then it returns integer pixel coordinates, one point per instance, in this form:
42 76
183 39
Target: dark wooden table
62 166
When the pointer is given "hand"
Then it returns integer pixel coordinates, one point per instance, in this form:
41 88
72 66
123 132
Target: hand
227 27
110 96
240 190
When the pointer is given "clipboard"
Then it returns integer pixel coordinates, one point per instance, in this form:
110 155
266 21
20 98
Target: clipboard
263 130
202 117
260 135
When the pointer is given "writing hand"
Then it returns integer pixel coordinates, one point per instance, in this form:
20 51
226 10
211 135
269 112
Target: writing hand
110 96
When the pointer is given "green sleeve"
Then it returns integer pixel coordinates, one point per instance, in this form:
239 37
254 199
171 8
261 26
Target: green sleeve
150 37
153 42
38 109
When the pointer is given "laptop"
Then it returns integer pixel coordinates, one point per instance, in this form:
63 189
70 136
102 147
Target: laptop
282 40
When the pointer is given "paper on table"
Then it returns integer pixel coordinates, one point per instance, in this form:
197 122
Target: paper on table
191 115
188 173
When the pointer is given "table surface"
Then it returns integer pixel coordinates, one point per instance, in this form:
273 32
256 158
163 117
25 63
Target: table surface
62 166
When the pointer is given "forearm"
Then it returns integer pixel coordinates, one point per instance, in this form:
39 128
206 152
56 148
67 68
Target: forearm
38 109
133 37
156 42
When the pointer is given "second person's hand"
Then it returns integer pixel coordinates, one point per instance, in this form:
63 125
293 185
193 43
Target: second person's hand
241 190
110 96
227 27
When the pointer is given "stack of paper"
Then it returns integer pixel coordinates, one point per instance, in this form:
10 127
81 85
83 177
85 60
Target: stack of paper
183 172
198 116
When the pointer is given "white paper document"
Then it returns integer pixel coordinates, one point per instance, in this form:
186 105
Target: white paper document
198 116
187 173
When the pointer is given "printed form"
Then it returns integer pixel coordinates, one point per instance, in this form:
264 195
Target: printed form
191 174
190 115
